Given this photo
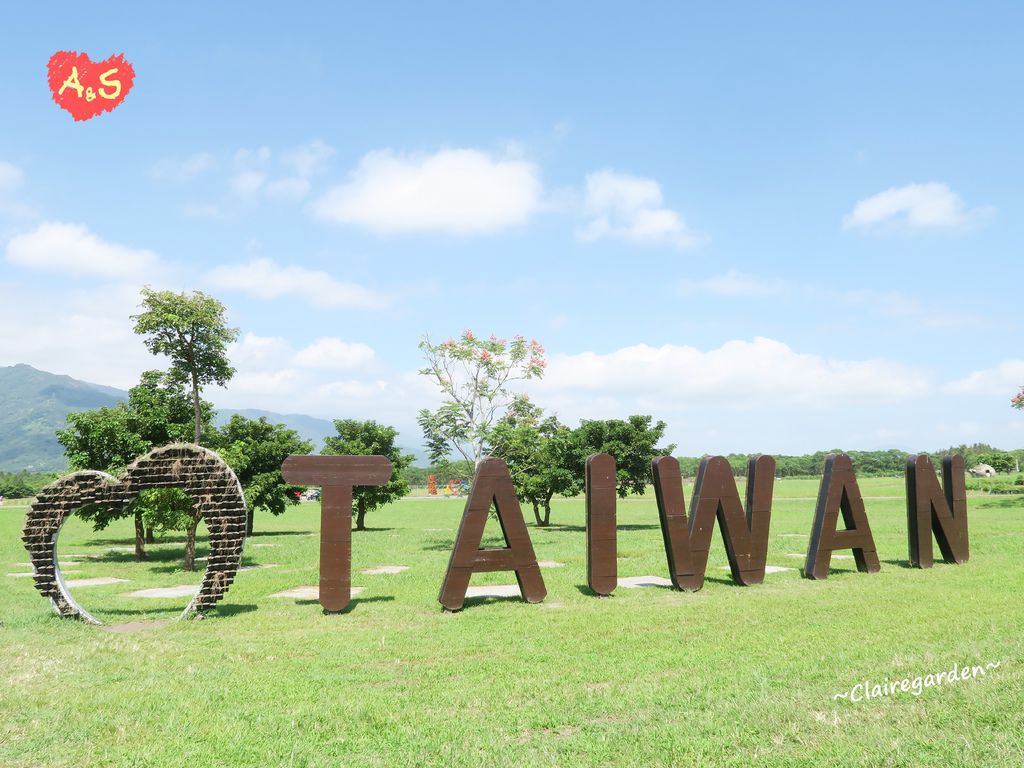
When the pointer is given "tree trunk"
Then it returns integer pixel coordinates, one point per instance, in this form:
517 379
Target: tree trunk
248 521
190 546
140 538
361 515
150 536
536 512
196 408
547 509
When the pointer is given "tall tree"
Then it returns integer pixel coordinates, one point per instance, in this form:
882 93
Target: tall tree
542 456
255 450
633 443
158 412
473 375
368 438
190 328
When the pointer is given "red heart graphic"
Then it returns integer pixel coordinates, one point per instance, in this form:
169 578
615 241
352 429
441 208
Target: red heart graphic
86 88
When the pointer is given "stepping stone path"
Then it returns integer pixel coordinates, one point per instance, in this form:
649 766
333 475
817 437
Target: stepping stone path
549 564
385 569
257 567
793 535
767 568
100 581
635 582
183 590
261 545
497 590
309 593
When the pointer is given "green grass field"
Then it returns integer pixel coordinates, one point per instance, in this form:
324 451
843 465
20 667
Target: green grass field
737 676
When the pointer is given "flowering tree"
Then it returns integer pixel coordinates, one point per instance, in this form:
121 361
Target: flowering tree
1018 401
474 375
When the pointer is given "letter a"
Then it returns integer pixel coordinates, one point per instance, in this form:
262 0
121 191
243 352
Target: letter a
929 509
72 82
336 475
492 482
602 568
839 492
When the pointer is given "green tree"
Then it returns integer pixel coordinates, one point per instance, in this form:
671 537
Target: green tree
473 375
1000 461
105 440
633 443
368 438
192 331
543 456
255 450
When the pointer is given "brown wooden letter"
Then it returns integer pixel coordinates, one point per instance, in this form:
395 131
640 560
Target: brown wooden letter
839 492
715 497
491 483
337 475
602 569
930 509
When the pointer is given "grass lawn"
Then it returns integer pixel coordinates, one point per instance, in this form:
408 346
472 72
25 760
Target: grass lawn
737 676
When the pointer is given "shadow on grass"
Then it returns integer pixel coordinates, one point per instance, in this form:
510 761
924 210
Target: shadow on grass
353 604
900 563
368 529
583 528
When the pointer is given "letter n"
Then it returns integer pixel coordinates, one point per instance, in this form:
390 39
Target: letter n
602 567
715 497
934 509
492 483
839 492
337 475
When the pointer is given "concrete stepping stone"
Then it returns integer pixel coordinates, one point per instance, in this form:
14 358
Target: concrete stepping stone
257 567
309 593
550 564
793 535
635 582
262 545
157 593
494 590
99 581
767 568
834 557
385 569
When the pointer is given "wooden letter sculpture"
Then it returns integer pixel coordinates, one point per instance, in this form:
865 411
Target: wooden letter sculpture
839 492
929 509
337 475
602 568
744 532
492 482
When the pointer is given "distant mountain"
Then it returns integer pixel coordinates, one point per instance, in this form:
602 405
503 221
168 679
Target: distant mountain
309 427
34 404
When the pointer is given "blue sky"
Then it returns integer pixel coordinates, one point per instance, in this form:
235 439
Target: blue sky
780 229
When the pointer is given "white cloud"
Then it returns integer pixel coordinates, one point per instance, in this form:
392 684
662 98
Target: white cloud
288 189
11 177
333 353
458 191
918 206
247 183
308 159
1004 379
630 208
72 249
263 279
741 374
735 284
182 170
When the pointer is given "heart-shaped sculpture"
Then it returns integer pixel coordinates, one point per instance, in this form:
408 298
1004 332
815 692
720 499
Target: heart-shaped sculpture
198 471
87 88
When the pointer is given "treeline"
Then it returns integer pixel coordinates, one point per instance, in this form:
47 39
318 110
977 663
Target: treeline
21 485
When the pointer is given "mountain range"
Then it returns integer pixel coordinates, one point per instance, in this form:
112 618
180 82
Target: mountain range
34 405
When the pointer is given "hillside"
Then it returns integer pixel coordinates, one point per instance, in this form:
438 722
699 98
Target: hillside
34 405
